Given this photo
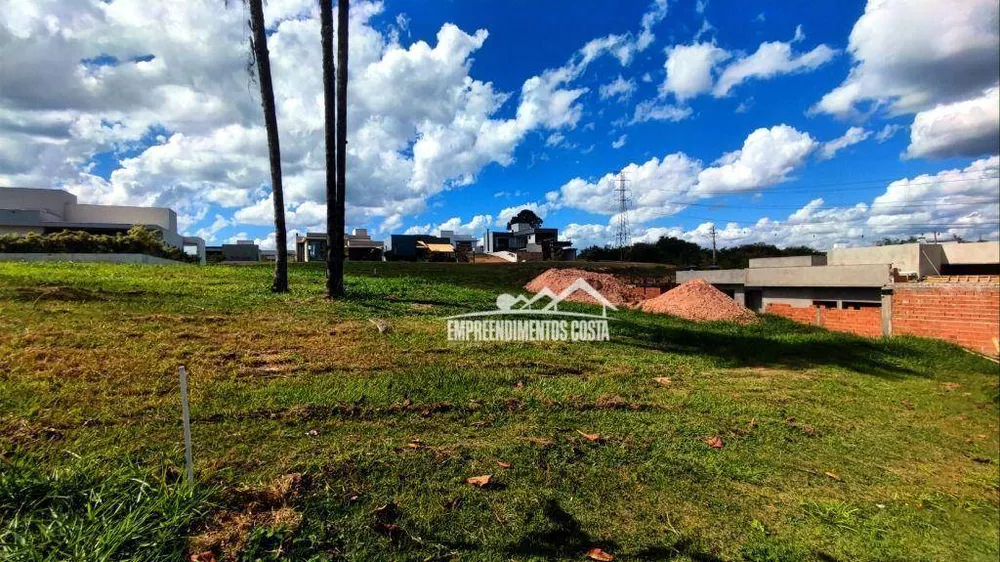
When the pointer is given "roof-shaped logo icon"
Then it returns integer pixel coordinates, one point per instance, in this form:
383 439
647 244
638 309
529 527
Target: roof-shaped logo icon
546 302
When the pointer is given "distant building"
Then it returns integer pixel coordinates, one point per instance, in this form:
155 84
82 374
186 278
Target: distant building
461 242
529 243
311 247
272 255
44 211
412 247
241 251
358 246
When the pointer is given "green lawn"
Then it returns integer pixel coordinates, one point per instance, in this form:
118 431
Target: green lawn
835 447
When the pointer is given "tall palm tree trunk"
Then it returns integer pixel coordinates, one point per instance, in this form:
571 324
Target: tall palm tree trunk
259 45
334 252
337 274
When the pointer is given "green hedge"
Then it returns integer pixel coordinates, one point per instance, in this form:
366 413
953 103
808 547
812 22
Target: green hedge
138 240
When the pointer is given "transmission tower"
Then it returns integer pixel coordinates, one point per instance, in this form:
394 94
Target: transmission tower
623 236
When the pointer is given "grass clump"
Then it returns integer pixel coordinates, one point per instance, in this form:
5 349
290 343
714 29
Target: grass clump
89 511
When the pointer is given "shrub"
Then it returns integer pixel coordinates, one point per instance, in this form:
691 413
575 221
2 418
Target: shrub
138 240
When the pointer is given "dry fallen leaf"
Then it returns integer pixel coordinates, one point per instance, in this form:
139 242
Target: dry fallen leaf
414 445
662 380
207 556
590 436
833 475
599 555
480 481
503 464
753 423
714 442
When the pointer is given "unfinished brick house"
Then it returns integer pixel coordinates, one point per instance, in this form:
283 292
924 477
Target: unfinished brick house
948 291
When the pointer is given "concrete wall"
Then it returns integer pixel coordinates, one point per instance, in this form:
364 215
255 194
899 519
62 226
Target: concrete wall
52 200
715 276
788 261
17 217
904 257
106 258
909 259
121 214
967 314
972 252
819 276
21 230
804 296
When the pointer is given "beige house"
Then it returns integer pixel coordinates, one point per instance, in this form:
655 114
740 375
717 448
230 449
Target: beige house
42 211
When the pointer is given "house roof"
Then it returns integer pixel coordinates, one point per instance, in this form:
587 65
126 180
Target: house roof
432 247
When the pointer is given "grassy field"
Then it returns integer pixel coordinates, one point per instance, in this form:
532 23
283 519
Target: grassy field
317 437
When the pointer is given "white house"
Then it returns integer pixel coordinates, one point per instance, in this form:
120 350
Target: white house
25 210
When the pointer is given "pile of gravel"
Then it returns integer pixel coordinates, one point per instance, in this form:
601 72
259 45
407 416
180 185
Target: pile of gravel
557 280
699 300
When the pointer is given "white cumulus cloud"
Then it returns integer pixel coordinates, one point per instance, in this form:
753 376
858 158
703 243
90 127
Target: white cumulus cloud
965 128
853 136
910 55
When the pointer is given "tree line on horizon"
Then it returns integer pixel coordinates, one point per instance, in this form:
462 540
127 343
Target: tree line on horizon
669 250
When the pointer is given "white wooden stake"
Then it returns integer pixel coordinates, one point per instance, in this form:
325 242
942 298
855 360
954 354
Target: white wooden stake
186 415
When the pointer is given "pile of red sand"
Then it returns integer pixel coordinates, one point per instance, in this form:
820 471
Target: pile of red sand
699 300
558 280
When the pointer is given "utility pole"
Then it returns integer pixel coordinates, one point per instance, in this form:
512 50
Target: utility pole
623 237
713 244
935 237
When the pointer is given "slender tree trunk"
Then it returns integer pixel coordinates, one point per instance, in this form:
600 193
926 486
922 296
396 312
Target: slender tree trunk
334 258
337 273
280 284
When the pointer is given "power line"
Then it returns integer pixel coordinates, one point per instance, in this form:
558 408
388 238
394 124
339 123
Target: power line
837 221
820 186
890 205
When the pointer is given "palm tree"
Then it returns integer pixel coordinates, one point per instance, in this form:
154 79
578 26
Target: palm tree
336 281
334 252
258 46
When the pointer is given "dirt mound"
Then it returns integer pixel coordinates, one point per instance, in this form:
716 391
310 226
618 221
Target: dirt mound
486 258
558 280
699 300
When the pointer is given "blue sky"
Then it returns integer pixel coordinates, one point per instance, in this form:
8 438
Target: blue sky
770 120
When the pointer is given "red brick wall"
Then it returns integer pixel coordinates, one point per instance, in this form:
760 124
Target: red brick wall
967 314
803 315
863 321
